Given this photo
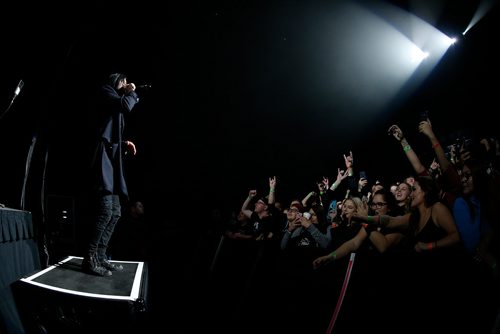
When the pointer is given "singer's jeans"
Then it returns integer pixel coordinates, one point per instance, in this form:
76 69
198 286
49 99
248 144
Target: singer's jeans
108 214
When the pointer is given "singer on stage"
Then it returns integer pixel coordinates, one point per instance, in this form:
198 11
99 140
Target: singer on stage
115 100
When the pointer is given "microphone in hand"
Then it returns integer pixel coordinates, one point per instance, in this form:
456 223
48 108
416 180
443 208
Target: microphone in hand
20 86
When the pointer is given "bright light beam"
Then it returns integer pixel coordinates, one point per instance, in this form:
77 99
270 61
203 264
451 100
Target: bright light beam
417 55
483 8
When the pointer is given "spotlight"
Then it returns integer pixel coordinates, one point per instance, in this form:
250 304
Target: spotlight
418 55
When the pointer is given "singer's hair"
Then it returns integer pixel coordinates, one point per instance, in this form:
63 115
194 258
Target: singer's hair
115 78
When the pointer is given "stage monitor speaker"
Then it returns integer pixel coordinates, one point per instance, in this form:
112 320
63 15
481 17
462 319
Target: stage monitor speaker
61 227
65 299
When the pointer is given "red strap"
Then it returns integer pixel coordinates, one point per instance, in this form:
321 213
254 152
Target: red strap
342 293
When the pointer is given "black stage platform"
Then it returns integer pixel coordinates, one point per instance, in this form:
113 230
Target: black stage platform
63 298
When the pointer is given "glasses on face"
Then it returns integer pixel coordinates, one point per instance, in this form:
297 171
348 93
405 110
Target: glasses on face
378 205
466 176
293 209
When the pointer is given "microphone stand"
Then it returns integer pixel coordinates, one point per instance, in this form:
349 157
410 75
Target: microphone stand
27 171
16 93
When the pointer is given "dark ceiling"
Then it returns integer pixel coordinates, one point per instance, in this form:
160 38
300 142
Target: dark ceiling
206 129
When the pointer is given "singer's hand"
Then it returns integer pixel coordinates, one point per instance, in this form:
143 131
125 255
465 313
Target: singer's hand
131 147
130 87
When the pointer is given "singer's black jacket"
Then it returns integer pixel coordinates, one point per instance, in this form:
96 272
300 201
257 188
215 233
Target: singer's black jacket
107 162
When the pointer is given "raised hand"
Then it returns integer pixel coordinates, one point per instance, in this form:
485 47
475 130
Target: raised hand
341 174
396 132
425 127
349 160
322 260
272 182
325 182
434 165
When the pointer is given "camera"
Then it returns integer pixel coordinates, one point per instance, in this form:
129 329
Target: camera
424 116
362 175
307 215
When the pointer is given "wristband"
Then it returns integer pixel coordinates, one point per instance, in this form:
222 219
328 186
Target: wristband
436 145
407 148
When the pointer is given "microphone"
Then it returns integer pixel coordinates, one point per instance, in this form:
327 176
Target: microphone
143 87
20 86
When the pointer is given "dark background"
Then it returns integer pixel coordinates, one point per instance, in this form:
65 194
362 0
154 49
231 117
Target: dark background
234 98
233 101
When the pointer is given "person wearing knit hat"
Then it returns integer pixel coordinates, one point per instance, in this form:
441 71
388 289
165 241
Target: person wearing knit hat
115 100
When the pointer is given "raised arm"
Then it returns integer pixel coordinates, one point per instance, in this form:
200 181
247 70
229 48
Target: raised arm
341 175
383 242
244 207
272 188
323 187
385 220
397 133
343 250
425 127
308 196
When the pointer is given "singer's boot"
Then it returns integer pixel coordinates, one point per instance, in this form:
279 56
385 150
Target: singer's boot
91 265
110 265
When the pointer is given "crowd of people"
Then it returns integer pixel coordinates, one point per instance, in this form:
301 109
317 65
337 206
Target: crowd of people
418 255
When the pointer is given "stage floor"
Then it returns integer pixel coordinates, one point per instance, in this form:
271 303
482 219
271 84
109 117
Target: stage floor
67 277
62 298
